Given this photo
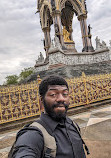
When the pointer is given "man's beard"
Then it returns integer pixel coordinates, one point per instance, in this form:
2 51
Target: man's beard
58 116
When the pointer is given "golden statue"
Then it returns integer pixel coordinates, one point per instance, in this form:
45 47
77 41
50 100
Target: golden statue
66 35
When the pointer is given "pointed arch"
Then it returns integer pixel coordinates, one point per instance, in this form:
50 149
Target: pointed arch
79 7
67 15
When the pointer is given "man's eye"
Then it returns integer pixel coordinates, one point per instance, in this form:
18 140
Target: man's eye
53 94
65 94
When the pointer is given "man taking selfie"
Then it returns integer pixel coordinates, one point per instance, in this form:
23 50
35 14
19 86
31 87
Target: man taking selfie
54 134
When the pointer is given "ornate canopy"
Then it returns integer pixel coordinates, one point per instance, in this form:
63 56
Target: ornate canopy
67 8
60 13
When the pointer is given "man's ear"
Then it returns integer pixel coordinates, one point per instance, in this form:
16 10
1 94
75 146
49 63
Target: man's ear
41 103
41 100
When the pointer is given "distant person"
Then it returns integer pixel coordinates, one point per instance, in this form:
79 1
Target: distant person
56 135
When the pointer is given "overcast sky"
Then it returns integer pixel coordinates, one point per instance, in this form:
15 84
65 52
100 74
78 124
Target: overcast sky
21 35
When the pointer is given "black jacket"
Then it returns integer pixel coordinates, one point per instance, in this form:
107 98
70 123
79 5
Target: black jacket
30 142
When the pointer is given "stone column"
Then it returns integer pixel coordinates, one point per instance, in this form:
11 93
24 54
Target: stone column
71 30
87 45
47 41
57 25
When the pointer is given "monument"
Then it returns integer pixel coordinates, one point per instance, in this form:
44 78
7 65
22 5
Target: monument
61 51
60 14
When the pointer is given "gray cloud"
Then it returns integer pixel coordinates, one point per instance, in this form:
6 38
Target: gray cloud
21 34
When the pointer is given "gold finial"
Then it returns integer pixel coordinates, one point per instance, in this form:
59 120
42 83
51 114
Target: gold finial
83 75
38 79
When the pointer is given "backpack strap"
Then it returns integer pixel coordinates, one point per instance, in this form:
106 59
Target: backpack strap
79 132
49 141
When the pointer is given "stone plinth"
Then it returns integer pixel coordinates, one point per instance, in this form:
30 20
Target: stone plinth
59 58
70 65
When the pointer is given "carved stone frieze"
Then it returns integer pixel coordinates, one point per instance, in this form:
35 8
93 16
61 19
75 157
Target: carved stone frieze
75 59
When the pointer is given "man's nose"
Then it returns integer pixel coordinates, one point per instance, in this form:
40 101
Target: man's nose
60 97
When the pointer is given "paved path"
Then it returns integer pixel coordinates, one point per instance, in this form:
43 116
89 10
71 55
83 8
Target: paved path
96 131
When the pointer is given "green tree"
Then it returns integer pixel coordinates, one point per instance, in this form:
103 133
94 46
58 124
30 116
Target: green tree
12 79
25 73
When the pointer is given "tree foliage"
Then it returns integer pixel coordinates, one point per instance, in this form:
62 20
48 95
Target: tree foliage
12 79
25 73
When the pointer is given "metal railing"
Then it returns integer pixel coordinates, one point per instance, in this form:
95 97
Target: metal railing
89 89
18 102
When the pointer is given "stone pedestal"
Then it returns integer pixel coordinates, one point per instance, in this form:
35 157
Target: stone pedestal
70 46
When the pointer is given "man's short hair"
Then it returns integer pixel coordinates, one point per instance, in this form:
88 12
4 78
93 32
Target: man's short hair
51 80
